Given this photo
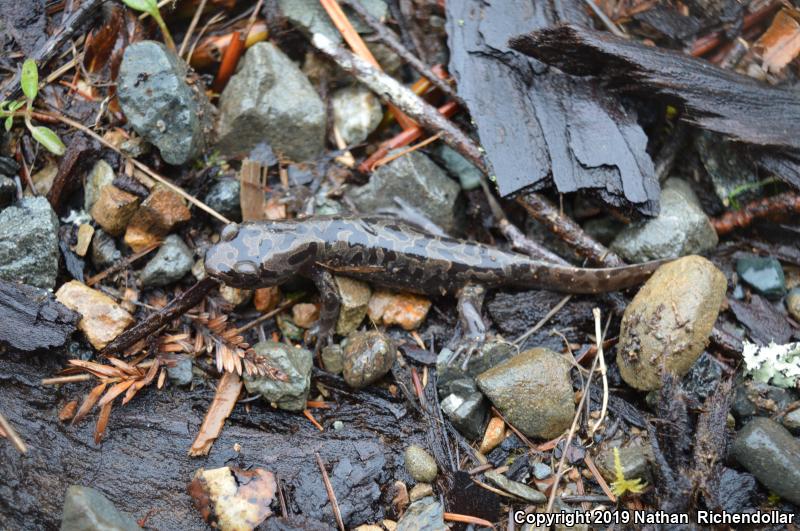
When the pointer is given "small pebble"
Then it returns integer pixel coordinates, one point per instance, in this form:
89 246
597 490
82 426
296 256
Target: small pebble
333 358
114 208
338 425
86 509
235 296
305 314
267 299
419 491
793 303
157 216
354 296
541 471
403 309
102 318
420 464
763 274
368 356
494 435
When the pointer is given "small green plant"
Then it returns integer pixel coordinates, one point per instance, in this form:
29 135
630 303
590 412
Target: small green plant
29 82
151 8
620 486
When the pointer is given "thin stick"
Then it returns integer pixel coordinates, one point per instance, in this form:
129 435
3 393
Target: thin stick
389 39
122 264
599 477
195 19
570 434
406 151
392 91
607 22
466 519
15 439
331 495
599 338
543 320
59 380
258 320
196 202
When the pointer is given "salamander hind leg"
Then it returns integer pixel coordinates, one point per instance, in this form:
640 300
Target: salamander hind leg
473 329
329 313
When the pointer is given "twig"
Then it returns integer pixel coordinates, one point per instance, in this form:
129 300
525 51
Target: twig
525 245
599 477
192 25
178 306
546 213
331 495
599 338
389 39
570 434
15 439
313 421
466 519
607 22
143 167
543 320
229 61
391 90
781 204
59 380
272 313
121 264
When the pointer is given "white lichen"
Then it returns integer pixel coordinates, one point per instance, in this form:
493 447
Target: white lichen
775 364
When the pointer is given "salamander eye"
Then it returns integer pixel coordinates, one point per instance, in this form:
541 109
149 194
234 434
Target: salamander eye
245 267
229 232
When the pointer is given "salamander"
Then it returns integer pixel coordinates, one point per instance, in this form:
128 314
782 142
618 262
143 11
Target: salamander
392 254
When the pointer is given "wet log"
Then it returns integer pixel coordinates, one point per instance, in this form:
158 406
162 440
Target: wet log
32 319
540 127
143 468
719 100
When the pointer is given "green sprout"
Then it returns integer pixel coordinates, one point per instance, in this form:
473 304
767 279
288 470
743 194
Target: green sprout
29 82
620 485
151 8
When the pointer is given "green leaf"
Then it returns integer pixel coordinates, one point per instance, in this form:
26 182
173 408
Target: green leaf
30 79
48 139
16 105
147 6
9 123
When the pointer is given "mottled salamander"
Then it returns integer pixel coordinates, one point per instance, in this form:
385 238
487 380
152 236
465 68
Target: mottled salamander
393 254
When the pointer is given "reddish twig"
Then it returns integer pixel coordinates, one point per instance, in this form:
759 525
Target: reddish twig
331 495
705 44
229 61
768 207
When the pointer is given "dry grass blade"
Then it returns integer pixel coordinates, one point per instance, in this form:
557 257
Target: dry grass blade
89 402
102 422
98 369
124 367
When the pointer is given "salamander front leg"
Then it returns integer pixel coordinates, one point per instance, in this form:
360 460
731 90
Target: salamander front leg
470 303
329 314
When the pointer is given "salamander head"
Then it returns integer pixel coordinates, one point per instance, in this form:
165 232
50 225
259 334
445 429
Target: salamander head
255 255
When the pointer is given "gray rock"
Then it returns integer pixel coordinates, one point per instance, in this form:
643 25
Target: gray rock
311 17
173 260
415 179
101 176
752 399
635 461
333 358
682 228
468 175
271 99
224 198
793 303
420 464
516 488
29 243
296 363
533 391
491 353
541 471
426 514
762 273
86 509
667 325
338 425
8 166
8 191
160 105
356 113
466 408
792 420
368 356
604 229
354 297
769 452
104 250
181 373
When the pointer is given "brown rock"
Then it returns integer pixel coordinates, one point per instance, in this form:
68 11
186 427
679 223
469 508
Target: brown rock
102 319
354 296
114 209
267 299
403 309
494 435
85 233
161 212
305 314
235 296
667 325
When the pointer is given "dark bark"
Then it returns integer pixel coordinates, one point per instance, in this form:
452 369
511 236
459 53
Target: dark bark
31 319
